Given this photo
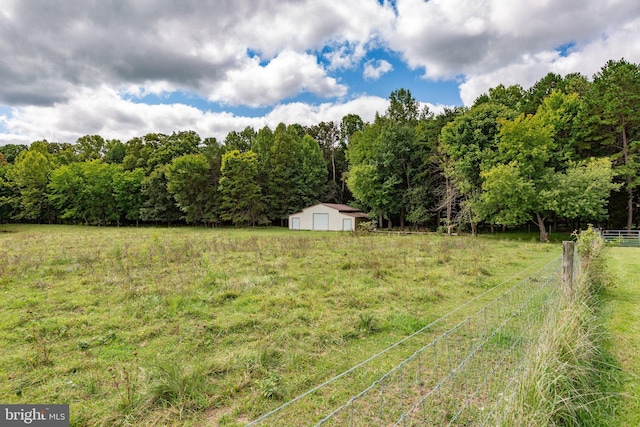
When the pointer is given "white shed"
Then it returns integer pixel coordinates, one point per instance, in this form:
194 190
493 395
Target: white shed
327 216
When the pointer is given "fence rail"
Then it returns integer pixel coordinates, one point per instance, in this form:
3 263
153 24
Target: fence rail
459 375
622 237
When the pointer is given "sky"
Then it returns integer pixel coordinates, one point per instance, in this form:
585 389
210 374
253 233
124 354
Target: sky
122 69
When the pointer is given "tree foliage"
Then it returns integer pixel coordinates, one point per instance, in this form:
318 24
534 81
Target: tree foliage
567 149
241 201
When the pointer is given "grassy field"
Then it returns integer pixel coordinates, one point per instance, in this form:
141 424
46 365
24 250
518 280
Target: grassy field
623 302
194 326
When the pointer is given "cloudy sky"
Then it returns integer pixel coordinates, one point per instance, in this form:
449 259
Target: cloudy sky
123 68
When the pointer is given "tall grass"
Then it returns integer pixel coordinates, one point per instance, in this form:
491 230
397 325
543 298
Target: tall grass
571 378
187 326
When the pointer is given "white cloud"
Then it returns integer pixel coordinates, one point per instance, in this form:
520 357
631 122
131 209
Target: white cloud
450 38
171 45
374 69
103 111
346 56
257 53
586 59
285 76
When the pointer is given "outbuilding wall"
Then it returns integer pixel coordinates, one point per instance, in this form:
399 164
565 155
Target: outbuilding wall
306 218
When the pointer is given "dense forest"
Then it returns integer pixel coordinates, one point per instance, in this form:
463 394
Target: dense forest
562 153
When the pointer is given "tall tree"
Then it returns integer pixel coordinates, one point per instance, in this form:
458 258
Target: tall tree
188 181
313 173
403 107
9 195
241 141
11 151
241 196
525 180
289 189
521 173
90 147
127 187
165 148
30 174
159 204
432 192
466 143
114 151
611 118
385 159
328 136
84 191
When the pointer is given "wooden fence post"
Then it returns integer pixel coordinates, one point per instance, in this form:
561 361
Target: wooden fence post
567 268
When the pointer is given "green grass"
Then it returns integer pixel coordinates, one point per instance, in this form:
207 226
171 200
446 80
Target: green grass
571 376
193 326
623 303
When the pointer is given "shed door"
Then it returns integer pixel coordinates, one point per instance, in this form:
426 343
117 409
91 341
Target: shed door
295 223
320 221
347 224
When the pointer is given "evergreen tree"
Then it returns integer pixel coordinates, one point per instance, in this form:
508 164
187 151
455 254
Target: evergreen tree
241 195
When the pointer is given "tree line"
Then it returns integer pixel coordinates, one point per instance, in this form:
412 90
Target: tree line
566 150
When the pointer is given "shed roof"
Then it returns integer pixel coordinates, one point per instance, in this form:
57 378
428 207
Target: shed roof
357 214
341 208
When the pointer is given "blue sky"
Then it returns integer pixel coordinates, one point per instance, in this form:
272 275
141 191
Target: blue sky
125 69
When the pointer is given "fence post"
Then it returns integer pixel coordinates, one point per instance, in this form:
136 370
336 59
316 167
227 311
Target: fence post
567 268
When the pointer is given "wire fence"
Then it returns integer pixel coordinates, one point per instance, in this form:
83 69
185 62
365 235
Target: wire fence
458 368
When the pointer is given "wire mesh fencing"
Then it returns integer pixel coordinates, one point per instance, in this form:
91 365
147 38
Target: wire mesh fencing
458 372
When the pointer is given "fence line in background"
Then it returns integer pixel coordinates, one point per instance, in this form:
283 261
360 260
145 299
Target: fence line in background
622 237
457 377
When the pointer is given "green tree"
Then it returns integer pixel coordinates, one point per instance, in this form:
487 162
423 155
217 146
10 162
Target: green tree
431 192
188 181
68 193
364 177
159 204
313 172
527 182
611 118
582 192
85 192
30 175
90 147
241 196
9 195
127 187
467 142
101 206
327 134
241 141
403 107
389 153
114 151
11 151
165 148
289 190
511 97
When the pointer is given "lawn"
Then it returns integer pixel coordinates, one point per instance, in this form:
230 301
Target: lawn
196 326
622 306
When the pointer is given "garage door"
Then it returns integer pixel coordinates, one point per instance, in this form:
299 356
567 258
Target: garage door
320 221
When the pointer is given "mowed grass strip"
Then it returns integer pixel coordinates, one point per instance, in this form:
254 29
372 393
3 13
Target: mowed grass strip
623 301
195 326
